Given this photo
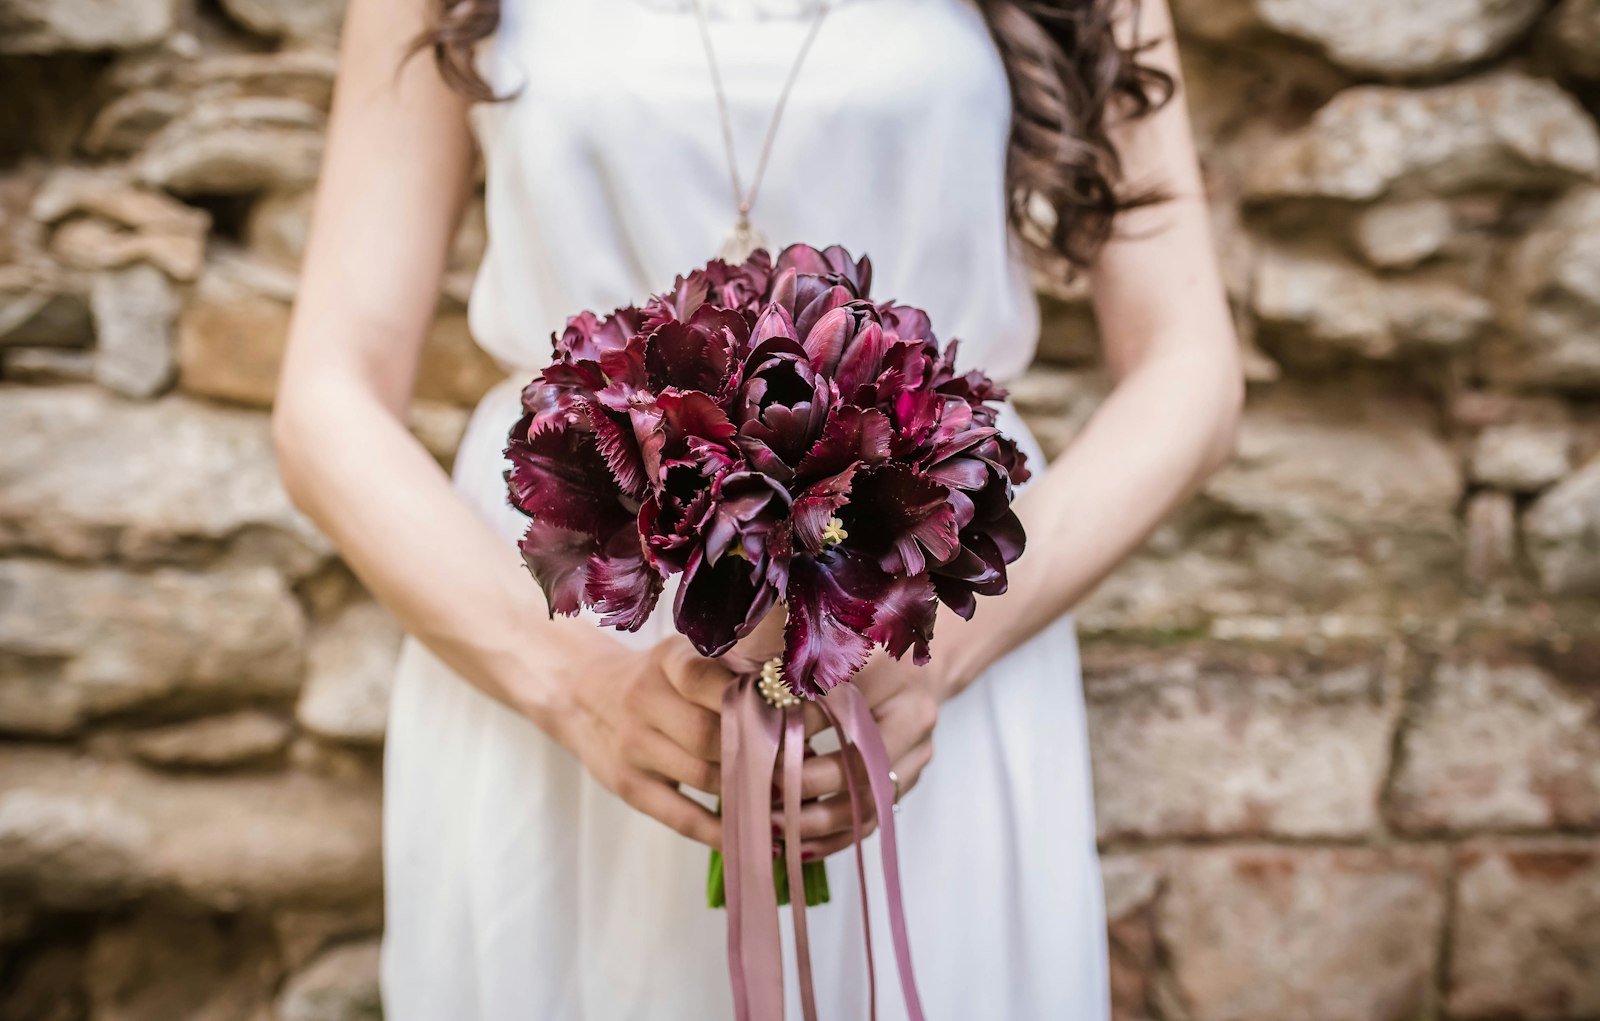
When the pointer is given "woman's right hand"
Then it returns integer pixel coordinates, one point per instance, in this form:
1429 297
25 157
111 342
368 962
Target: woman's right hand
644 721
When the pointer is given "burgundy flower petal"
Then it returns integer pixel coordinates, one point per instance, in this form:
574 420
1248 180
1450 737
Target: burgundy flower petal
905 321
833 261
588 337
853 435
689 356
825 637
558 558
622 586
614 438
672 520
717 604
745 508
819 502
559 478
684 428
774 321
957 595
862 360
807 319
960 472
904 610
902 518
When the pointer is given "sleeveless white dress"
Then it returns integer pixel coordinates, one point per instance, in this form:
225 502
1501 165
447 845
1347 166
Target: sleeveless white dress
517 887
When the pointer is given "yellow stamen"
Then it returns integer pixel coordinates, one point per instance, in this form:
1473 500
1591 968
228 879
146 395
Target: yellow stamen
833 534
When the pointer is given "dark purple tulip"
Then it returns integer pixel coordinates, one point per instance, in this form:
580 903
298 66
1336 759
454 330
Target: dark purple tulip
741 566
773 435
583 542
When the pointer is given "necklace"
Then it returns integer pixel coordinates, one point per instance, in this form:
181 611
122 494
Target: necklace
745 238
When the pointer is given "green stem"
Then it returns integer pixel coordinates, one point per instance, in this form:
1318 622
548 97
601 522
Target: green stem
813 875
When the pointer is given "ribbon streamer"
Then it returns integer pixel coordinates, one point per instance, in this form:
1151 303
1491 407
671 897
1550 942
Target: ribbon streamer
753 733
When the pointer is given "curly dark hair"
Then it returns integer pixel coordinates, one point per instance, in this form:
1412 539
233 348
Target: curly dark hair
1070 78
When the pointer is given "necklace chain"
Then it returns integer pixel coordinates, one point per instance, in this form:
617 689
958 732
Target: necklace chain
744 200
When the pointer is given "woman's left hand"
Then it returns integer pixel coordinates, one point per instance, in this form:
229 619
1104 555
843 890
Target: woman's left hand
905 700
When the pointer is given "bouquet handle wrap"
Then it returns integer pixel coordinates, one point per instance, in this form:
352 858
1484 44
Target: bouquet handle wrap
752 734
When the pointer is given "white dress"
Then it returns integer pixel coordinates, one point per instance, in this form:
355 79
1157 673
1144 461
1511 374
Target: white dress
517 887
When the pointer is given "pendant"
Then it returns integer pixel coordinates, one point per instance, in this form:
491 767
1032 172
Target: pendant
743 240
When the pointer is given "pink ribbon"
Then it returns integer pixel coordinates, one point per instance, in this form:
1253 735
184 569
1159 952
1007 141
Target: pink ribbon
753 733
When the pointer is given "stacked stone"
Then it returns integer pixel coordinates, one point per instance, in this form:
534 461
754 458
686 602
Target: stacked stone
1345 708
192 689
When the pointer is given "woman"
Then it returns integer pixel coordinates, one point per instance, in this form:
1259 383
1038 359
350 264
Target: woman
547 780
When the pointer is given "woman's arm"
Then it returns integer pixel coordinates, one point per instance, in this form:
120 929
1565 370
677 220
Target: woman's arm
1170 420
394 179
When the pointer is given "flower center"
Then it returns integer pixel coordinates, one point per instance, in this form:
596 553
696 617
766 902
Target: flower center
833 533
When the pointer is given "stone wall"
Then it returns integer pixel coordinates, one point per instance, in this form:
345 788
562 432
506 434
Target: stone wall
1346 706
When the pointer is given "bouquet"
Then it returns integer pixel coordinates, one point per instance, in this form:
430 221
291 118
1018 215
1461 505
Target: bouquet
774 436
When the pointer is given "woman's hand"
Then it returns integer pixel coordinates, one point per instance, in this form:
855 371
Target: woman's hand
905 700
642 722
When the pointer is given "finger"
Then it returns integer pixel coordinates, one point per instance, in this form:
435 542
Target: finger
695 729
909 768
698 679
825 818
661 801
816 720
817 817
816 850
823 776
654 752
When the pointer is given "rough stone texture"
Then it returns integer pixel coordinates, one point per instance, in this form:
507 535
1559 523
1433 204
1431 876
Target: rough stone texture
315 20
1500 746
1343 503
1521 458
232 334
1310 308
233 739
105 221
53 26
1562 533
1358 493
340 985
133 313
236 145
1230 747
1527 941
1263 934
86 475
157 966
46 365
1399 235
1133 886
1379 37
1491 536
1503 130
86 642
1574 30
1553 300
77 832
346 695
42 307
